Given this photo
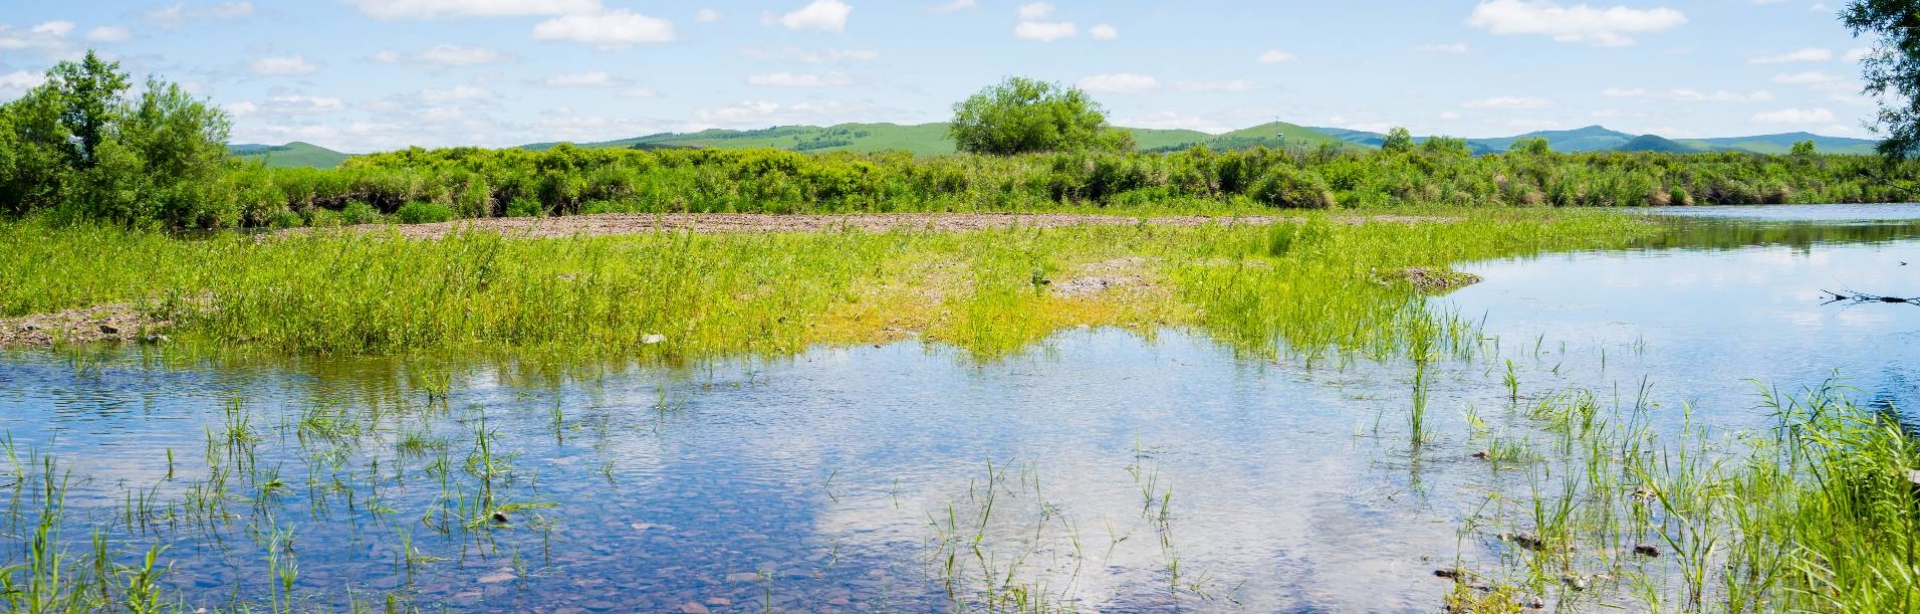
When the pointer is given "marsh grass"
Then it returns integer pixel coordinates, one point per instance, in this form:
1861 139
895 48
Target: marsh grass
1822 514
1306 287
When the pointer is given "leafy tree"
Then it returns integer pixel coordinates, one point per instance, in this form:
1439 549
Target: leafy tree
1446 146
1894 70
1398 140
1803 148
1022 116
1536 146
78 146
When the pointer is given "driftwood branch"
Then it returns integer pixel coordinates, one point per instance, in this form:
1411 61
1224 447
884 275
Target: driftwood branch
1855 298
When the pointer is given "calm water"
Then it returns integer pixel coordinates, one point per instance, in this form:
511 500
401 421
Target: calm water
1121 474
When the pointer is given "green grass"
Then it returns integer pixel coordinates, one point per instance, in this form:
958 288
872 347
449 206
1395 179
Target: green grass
775 294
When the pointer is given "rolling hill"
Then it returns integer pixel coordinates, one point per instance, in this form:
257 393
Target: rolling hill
289 155
931 139
1597 138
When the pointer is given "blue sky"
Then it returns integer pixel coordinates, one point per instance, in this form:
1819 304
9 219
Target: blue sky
364 75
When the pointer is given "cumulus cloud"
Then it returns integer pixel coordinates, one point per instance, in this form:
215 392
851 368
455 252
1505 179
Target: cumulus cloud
761 114
952 7
1810 54
707 16
304 104
180 13
443 9
1794 116
807 56
784 79
1103 32
109 34
1044 31
49 38
284 67
443 56
1122 83
1861 53
1690 95
1169 120
1805 78
17 83
1509 103
587 79
1276 56
614 29
821 16
1606 27
463 93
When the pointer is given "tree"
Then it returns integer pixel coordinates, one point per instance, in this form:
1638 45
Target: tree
1536 146
1397 140
1803 148
1894 70
1447 146
1026 116
89 92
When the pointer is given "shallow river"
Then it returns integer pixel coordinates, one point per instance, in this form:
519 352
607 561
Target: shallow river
1101 471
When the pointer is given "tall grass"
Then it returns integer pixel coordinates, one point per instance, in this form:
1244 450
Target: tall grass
1315 286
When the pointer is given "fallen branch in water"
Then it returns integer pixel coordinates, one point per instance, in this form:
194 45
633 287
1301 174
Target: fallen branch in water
1855 298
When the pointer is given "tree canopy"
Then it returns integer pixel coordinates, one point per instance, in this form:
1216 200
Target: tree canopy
79 146
1022 116
1893 70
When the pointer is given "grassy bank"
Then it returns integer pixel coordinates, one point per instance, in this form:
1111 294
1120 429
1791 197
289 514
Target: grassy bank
1313 285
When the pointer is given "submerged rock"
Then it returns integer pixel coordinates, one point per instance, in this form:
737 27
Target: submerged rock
1647 551
1432 281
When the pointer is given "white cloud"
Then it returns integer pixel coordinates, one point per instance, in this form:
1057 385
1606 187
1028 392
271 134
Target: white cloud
1276 56
16 83
284 67
1690 95
760 114
821 16
1805 78
783 79
1169 120
1509 103
443 56
1810 54
1044 31
954 6
109 34
242 109
1447 48
707 16
1606 27
1794 116
798 54
58 29
1234 86
442 9
1037 10
588 79
1449 116
181 13
1861 53
305 104
1122 83
463 93
1103 32
609 30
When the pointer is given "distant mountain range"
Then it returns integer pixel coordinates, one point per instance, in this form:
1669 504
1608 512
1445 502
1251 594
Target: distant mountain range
931 139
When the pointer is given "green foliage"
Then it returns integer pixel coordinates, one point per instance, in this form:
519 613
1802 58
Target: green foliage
1398 140
1285 186
1021 116
1533 147
358 212
423 213
79 150
1803 148
1894 71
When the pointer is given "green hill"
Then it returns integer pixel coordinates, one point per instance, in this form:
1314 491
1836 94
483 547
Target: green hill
1658 144
289 155
1783 143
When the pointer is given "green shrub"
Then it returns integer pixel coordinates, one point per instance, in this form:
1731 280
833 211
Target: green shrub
359 212
286 219
1285 186
424 213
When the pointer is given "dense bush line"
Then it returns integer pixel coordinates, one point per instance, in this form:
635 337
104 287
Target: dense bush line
489 183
